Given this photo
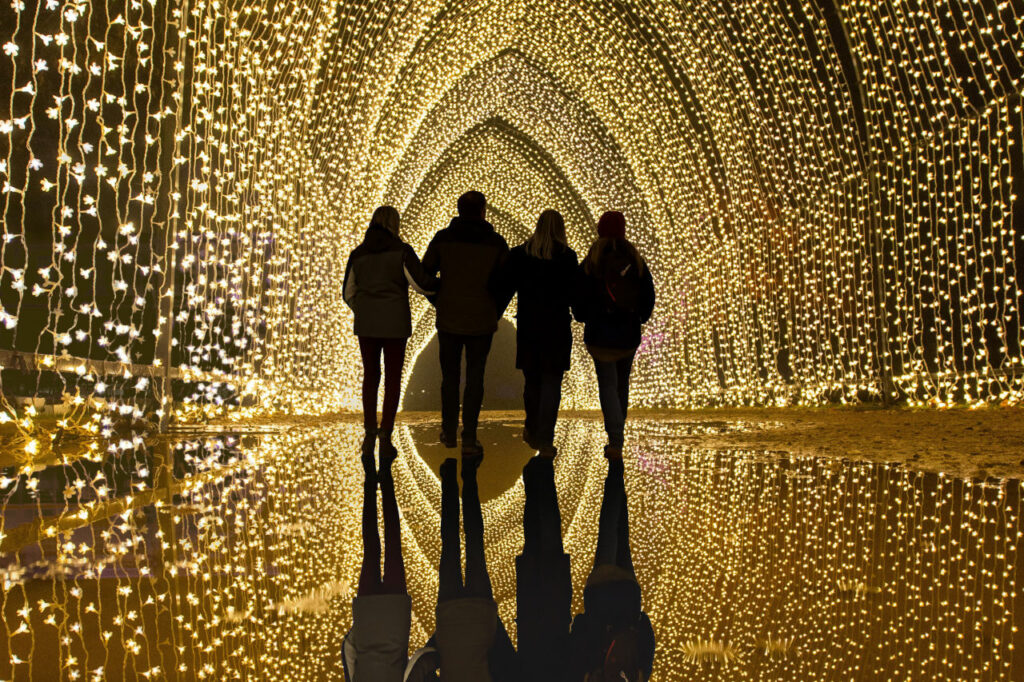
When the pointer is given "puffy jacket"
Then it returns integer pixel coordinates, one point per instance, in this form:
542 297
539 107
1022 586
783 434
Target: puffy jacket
467 254
377 647
377 279
604 325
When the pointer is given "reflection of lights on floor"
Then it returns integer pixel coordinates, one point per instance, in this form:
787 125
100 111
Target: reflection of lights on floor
753 564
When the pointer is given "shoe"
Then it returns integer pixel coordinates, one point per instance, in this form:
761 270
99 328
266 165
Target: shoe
388 452
548 451
448 468
448 439
368 440
472 448
613 452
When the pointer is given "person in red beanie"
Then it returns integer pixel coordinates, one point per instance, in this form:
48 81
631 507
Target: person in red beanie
614 297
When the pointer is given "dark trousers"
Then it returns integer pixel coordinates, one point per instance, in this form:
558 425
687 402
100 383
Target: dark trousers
613 525
543 579
449 575
370 579
394 358
477 348
542 394
613 391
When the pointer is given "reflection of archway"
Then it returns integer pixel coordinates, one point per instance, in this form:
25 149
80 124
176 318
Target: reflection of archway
502 381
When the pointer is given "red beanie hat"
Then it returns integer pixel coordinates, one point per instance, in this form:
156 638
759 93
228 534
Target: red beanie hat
612 225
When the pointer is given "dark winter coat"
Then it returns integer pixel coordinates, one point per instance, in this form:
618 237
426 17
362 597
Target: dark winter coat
543 320
608 607
604 326
467 254
377 280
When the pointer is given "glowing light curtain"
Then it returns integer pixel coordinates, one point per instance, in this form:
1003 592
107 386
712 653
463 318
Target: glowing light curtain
825 190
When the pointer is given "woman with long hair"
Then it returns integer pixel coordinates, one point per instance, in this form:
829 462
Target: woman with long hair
615 296
377 279
542 271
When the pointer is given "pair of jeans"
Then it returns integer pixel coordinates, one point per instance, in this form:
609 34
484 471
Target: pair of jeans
370 579
613 391
542 395
449 574
613 524
394 357
451 347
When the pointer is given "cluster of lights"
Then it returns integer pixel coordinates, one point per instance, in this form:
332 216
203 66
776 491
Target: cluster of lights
826 200
235 558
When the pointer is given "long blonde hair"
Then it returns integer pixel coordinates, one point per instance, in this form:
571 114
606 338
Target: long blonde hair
387 217
549 231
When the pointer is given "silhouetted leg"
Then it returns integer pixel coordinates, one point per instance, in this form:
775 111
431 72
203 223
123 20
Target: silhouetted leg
477 348
370 351
550 397
531 395
623 369
478 582
450 351
369 575
501 659
542 522
394 565
449 574
394 358
608 531
611 401
624 555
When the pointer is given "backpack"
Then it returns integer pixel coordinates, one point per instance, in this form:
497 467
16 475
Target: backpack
622 282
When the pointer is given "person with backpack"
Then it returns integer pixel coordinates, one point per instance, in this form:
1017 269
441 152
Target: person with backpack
612 640
542 271
467 254
377 646
614 297
470 641
377 279
543 580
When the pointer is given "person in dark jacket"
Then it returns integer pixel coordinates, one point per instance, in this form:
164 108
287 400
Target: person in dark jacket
467 254
470 639
542 271
377 647
543 580
612 639
377 279
614 297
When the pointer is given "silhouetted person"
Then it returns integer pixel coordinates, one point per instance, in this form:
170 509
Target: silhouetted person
612 639
466 254
470 638
377 279
543 580
615 296
377 647
542 271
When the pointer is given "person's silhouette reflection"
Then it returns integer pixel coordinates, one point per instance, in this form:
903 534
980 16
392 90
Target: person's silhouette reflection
612 639
543 580
470 638
377 646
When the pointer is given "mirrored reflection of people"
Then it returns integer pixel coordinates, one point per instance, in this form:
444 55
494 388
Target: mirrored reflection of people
470 639
542 271
615 296
612 639
543 580
377 647
377 279
467 254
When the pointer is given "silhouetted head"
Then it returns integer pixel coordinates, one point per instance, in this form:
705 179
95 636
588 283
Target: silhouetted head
386 217
611 241
473 204
550 231
611 225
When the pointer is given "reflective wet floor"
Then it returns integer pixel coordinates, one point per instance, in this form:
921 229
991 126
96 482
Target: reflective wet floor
234 556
